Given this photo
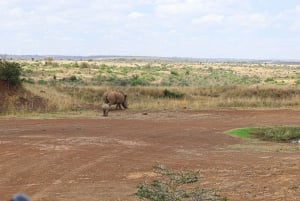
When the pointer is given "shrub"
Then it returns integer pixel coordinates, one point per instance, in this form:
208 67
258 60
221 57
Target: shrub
84 65
174 72
137 80
172 187
73 78
171 94
10 72
269 79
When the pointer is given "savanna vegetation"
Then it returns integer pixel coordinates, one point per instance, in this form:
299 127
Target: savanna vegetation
274 134
175 186
68 86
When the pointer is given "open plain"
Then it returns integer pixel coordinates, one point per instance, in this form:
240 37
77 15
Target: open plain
96 158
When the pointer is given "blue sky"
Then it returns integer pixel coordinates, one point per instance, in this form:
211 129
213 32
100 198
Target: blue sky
248 29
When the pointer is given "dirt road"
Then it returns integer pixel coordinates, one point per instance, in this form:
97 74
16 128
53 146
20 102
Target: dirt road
105 159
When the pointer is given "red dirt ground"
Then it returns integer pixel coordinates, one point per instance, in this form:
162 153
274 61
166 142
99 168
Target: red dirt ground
105 159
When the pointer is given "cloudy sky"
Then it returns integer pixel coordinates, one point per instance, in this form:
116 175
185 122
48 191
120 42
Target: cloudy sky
249 29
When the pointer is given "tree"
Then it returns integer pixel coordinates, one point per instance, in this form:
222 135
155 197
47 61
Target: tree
10 72
172 187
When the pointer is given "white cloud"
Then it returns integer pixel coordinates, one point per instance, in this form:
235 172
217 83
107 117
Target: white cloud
208 19
289 19
298 9
197 7
135 15
16 12
249 20
54 20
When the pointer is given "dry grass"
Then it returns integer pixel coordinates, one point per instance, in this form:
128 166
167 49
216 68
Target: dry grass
203 85
152 98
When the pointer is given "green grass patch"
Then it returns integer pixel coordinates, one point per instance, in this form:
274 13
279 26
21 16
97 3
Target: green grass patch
277 134
241 132
273 134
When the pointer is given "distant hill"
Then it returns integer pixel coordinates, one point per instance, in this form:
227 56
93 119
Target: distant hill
147 58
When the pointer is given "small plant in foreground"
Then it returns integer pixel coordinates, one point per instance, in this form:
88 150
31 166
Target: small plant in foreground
172 187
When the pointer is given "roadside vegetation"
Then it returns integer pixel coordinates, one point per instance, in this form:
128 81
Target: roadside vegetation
274 134
10 73
175 186
157 85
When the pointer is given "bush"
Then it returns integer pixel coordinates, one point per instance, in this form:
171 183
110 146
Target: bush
10 72
172 187
171 94
72 79
137 80
84 65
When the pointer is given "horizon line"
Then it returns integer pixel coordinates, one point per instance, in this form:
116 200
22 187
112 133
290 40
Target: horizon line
149 57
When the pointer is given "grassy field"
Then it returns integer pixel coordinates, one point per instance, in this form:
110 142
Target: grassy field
158 84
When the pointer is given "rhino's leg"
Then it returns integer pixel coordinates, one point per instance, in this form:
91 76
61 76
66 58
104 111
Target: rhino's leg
124 105
105 112
118 107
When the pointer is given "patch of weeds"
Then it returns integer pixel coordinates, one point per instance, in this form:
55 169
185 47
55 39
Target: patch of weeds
277 134
269 79
273 134
72 79
68 65
42 82
172 186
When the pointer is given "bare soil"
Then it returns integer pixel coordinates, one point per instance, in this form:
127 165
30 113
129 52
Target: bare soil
98 158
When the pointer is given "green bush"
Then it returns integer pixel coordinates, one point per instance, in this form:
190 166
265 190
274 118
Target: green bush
137 80
174 72
173 187
10 72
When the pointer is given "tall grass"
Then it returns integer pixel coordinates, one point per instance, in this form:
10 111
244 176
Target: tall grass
62 101
153 98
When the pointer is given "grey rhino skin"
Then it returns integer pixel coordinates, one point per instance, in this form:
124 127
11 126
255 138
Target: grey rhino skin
118 98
